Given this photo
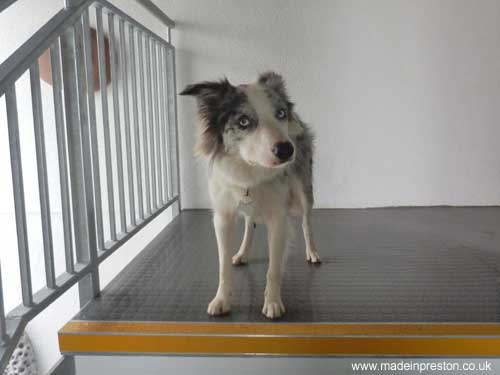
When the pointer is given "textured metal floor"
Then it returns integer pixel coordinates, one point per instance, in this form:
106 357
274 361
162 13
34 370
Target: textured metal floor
379 265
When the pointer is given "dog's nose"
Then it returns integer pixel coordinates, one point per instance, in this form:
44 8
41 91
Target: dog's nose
283 150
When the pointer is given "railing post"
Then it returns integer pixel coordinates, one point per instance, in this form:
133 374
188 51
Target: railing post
80 164
3 327
18 190
173 131
55 64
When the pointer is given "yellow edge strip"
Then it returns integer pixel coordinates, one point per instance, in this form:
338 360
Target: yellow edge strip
346 329
235 345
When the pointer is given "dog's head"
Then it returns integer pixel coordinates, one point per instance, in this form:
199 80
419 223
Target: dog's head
254 122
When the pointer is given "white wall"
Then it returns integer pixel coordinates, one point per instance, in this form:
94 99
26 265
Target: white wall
404 95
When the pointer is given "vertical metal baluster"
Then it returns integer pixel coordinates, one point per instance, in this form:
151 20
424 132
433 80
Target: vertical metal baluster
135 113
173 123
144 122
55 63
163 124
91 288
18 187
80 161
43 184
89 71
151 122
166 127
126 109
170 126
176 130
105 122
3 328
157 124
116 116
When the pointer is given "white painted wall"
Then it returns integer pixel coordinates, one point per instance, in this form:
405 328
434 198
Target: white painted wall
404 95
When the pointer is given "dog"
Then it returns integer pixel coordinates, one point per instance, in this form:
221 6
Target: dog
260 157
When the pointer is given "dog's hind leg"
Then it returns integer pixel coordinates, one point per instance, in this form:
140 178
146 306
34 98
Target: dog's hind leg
241 257
311 252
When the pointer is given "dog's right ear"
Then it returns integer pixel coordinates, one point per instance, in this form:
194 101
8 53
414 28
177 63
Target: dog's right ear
214 98
202 88
209 91
211 97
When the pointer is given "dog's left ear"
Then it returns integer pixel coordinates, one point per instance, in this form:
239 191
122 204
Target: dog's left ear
275 82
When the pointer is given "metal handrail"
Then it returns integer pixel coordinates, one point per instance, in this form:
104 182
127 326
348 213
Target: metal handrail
4 4
153 9
150 76
148 4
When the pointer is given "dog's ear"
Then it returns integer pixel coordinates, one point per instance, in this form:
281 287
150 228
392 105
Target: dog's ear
209 91
211 96
214 99
275 82
206 88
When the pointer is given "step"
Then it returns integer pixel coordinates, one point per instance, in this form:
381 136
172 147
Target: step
405 281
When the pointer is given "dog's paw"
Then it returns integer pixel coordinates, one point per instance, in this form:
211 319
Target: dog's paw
240 259
313 257
219 305
273 308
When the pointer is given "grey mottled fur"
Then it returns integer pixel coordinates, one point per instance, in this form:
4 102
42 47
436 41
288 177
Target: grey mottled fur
303 164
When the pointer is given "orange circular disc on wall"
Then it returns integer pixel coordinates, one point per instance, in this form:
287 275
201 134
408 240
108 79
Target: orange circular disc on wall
46 71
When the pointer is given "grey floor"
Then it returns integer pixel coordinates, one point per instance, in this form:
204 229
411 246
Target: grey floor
436 264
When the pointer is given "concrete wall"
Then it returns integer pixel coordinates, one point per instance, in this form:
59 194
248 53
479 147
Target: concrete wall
404 95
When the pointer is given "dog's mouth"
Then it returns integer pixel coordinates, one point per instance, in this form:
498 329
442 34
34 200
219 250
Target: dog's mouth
273 164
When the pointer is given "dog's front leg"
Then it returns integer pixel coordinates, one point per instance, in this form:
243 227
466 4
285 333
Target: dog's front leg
277 240
224 229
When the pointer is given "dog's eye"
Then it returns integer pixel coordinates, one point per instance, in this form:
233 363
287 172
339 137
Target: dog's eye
244 121
281 114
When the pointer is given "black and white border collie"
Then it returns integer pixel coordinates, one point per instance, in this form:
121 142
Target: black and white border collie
260 158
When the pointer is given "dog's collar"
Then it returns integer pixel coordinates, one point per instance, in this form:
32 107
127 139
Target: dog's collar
246 198
245 204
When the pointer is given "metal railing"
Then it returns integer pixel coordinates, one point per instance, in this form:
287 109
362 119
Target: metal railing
141 150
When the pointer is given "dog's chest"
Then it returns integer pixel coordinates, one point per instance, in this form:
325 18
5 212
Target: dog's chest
260 201
246 204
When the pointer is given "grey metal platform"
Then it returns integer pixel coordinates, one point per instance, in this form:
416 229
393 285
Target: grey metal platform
437 264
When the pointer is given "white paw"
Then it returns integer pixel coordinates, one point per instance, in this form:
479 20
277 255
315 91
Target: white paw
273 308
219 305
313 256
240 259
